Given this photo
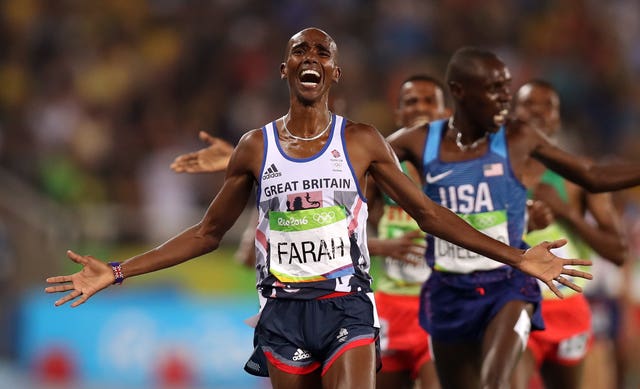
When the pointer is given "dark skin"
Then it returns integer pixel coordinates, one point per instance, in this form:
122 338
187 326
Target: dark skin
419 102
539 105
481 94
312 49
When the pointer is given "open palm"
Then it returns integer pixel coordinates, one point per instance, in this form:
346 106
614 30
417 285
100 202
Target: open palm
94 276
544 265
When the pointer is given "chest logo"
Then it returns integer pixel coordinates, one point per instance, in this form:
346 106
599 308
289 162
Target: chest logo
271 172
433 179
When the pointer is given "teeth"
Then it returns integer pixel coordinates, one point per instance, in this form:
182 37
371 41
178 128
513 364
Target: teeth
501 116
309 71
420 120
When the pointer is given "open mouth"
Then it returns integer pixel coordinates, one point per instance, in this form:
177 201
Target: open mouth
419 120
501 117
310 78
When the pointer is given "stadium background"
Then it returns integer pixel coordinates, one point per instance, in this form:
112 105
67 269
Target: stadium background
98 97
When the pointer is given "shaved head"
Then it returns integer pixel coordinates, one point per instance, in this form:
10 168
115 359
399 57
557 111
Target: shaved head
298 36
465 64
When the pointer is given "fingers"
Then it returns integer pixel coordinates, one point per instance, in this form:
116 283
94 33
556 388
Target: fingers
418 250
186 164
75 294
58 288
58 279
80 259
183 162
568 284
577 273
221 145
577 261
68 297
81 300
205 137
554 289
411 259
556 243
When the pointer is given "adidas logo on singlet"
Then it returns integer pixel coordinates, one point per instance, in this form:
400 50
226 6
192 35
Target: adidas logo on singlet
300 354
272 172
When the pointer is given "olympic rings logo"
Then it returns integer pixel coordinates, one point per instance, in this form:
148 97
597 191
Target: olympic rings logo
324 217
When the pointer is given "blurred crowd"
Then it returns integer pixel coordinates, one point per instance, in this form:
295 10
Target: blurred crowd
97 97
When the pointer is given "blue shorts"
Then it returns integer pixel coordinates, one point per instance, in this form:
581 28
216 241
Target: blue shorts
300 336
459 307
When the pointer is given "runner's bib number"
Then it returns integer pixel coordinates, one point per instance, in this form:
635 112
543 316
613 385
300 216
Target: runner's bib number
455 259
309 245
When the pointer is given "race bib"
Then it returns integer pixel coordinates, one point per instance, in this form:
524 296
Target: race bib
573 348
452 258
309 245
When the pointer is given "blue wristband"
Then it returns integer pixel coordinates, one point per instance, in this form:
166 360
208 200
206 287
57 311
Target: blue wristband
117 272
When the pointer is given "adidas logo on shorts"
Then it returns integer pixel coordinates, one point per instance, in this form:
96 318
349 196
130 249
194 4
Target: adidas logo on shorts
253 366
342 335
300 354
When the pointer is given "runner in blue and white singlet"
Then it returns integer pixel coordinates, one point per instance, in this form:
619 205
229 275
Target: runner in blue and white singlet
484 192
311 234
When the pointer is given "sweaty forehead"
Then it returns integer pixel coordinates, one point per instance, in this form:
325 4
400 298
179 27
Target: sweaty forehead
492 69
312 38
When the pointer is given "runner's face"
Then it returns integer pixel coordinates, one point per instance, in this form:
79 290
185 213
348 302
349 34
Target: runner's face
420 101
488 94
540 107
311 64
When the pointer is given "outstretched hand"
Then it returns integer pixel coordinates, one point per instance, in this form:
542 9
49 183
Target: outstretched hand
94 276
541 263
213 158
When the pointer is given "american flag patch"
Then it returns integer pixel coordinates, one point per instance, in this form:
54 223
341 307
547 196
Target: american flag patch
493 170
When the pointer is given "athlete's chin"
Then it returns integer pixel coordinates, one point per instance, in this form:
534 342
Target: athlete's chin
308 95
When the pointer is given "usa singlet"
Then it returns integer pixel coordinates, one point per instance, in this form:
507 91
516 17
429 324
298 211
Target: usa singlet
311 233
483 191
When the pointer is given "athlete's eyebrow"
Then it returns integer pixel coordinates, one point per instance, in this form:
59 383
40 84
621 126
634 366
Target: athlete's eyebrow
303 45
306 45
320 46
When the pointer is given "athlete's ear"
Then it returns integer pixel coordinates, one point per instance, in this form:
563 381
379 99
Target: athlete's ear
337 72
283 72
456 90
